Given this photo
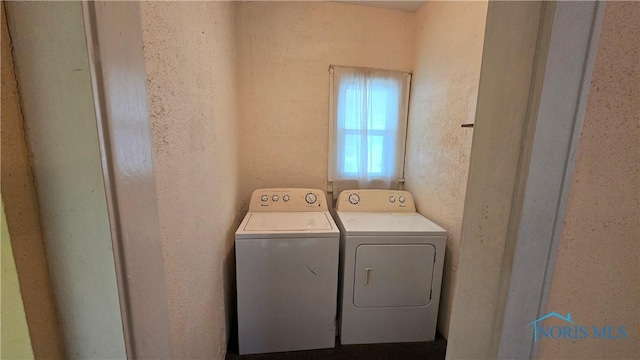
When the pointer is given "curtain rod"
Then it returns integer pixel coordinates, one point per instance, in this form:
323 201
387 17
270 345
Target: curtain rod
369 68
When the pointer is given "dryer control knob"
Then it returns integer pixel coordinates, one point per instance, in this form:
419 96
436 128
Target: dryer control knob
392 199
354 199
275 198
310 198
285 198
401 199
264 198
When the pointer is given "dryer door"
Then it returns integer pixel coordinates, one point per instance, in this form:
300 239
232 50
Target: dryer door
393 275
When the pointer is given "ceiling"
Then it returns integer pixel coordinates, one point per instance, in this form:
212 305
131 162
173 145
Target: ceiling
410 6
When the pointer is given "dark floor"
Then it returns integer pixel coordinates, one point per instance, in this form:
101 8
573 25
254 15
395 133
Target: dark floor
400 351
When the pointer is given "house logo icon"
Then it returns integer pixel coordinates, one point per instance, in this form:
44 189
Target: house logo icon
570 330
551 314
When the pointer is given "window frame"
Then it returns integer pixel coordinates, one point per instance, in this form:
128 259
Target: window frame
333 160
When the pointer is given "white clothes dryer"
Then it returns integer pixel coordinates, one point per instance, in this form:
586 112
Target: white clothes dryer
391 261
287 250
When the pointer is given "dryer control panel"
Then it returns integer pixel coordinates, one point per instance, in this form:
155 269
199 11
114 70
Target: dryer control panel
288 199
369 200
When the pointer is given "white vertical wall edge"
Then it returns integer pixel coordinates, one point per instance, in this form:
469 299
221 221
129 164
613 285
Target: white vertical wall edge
515 47
567 76
116 59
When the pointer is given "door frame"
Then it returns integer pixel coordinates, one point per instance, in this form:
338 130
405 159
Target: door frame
117 65
535 76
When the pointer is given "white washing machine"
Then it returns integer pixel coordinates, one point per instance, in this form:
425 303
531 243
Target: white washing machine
287 250
391 261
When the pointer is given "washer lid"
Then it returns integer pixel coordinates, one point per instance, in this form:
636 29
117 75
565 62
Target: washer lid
261 224
372 223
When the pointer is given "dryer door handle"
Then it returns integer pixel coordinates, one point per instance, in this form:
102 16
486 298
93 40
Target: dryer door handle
367 276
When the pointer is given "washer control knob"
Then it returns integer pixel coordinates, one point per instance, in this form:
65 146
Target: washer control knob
264 198
275 198
392 199
401 199
310 198
354 199
285 198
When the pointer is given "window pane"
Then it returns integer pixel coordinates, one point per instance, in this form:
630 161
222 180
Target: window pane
352 108
378 110
376 152
351 154
367 104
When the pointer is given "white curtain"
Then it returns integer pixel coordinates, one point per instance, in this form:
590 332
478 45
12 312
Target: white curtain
369 111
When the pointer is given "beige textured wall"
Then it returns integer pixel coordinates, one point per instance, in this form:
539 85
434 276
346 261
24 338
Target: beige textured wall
284 53
23 218
190 64
15 342
446 74
52 71
597 272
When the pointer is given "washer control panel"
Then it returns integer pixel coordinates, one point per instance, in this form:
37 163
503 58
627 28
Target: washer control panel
375 201
288 199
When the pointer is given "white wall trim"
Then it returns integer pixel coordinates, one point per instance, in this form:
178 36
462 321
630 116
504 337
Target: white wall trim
116 58
535 76
514 50
567 76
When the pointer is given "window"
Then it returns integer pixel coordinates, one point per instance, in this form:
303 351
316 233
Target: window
368 127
